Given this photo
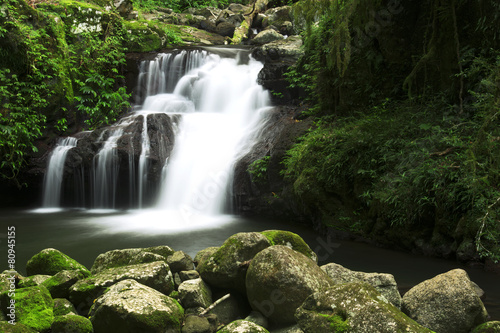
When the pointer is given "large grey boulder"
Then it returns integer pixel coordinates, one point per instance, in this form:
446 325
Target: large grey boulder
239 326
125 257
130 307
51 261
279 279
195 293
446 303
156 275
353 307
384 283
227 267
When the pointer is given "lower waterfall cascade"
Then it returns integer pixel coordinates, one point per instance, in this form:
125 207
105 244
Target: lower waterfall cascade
199 112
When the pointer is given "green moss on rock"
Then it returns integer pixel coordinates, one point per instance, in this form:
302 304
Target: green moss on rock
33 307
51 261
489 327
5 327
63 307
291 240
72 323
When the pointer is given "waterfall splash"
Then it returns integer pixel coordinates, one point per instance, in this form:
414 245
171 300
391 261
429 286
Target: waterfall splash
52 182
214 110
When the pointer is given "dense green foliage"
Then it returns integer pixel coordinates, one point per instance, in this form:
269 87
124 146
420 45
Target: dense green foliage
407 128
182 5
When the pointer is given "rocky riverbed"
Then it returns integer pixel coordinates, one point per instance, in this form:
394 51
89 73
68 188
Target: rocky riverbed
255 282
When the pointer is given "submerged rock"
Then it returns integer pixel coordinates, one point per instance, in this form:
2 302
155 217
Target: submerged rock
279 279
227 267
353 307
51 261
385 284
446 303
130 307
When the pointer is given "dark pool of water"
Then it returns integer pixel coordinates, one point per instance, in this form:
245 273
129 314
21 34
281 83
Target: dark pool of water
83 235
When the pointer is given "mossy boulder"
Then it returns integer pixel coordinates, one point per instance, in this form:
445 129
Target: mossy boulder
204 255
5 327
63 307
384 283
447 303
279 279
489 327
196 324
125 257
156 275
242 326
71 323
59 284
180 261
142 38
130 307
353 307
51 261
290 239
33 307
34 280
227 267
195 293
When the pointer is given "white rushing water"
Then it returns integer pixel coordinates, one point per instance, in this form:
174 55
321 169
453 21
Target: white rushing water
218 109
52 182
229 108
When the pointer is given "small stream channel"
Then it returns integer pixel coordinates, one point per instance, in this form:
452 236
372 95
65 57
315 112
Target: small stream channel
83 235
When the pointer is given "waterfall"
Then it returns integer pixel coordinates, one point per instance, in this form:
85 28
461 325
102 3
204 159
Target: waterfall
228 108
52 181
199 111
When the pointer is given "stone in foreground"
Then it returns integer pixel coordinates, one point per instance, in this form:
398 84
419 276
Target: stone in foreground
353 307
130 307
227 267
446 303
238 326
384 283
279 279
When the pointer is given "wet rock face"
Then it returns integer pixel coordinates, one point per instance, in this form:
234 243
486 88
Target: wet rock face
446 303
82 160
